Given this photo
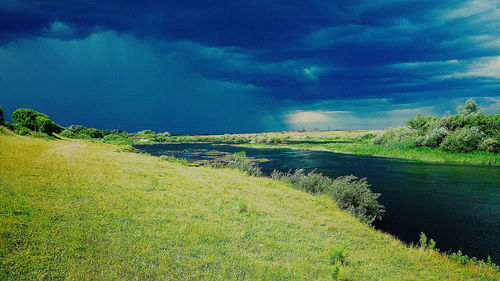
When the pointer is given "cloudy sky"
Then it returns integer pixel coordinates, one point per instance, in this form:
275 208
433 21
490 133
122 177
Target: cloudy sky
246 66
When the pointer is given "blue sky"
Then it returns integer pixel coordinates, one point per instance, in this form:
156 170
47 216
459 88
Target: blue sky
247 66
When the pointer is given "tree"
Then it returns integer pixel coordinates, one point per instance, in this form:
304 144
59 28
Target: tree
2 118
470 107
27 117
46 126
35 121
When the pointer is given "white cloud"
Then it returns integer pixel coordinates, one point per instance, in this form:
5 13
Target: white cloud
482 67
471 8
308 118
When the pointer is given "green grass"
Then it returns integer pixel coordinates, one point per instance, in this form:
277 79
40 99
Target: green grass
76 210
416 154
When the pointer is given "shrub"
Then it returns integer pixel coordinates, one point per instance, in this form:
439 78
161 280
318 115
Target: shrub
337 256
419 123
246 165
492 126
120 138
35 121
469 108
274 140
145 132
349 192
354 194
454 122
365 137
435 137
45 125
27 117
311 182
80 132
21 130
161 137
2 118
463 140
425 243
239 161
489 145
404 136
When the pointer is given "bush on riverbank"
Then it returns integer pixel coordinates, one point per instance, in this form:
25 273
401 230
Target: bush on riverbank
239 161
349 192
467 131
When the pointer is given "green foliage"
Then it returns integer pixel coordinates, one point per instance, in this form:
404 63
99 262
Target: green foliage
430 244
349 192
239 161
365 137
435 137
427 243
174 160
146 132
161 137
34 121
463 140
467 131
26 117
423 240
246 165
125 148
337 256
46 126
419 123
233 138
240 154
242 207
465 259
80 132
489 145
2 117
404 137
267 140
469 108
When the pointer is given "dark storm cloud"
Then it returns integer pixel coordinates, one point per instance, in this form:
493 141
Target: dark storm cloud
295 55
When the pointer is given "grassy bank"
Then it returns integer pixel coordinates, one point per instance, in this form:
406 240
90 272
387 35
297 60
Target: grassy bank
75 210
415 154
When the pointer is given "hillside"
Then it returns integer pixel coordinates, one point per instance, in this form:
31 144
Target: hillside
76 210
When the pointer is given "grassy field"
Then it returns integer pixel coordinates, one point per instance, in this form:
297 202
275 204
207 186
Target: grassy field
75 210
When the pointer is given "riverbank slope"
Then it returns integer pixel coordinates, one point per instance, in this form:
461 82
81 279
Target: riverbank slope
72 209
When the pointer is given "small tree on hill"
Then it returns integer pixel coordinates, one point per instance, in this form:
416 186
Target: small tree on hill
35 121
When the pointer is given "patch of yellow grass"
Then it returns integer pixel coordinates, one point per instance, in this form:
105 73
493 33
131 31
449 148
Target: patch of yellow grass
77 210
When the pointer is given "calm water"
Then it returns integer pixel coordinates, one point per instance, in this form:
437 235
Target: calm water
458 206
